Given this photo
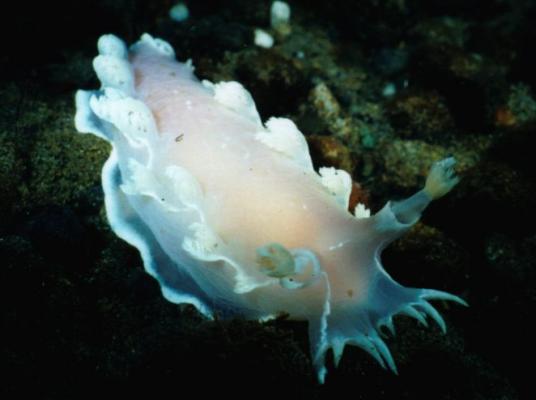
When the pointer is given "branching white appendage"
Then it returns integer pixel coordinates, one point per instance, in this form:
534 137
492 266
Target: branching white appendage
364 327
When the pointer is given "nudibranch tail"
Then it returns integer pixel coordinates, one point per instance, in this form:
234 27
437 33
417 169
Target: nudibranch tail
363 326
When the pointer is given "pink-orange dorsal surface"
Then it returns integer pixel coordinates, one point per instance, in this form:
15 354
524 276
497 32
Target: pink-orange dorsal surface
229 214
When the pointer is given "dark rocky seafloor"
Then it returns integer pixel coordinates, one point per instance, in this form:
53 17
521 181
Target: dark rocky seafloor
380 88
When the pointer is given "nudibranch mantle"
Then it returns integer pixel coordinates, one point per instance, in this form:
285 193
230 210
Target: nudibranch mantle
229 214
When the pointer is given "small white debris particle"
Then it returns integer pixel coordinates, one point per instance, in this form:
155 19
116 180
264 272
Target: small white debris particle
279 13
179 12
389 90
263 39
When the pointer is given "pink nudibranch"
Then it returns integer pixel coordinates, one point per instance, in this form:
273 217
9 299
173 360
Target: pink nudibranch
229 214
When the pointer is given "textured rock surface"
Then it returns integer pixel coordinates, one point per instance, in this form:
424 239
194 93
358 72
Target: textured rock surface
82 317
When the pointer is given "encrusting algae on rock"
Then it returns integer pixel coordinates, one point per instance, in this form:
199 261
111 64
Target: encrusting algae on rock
229 214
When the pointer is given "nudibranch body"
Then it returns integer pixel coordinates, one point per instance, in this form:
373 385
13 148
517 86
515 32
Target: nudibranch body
229 214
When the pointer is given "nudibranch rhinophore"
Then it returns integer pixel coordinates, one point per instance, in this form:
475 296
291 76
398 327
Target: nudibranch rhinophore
229 214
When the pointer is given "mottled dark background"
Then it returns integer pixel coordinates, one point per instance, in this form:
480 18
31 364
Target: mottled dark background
81 318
